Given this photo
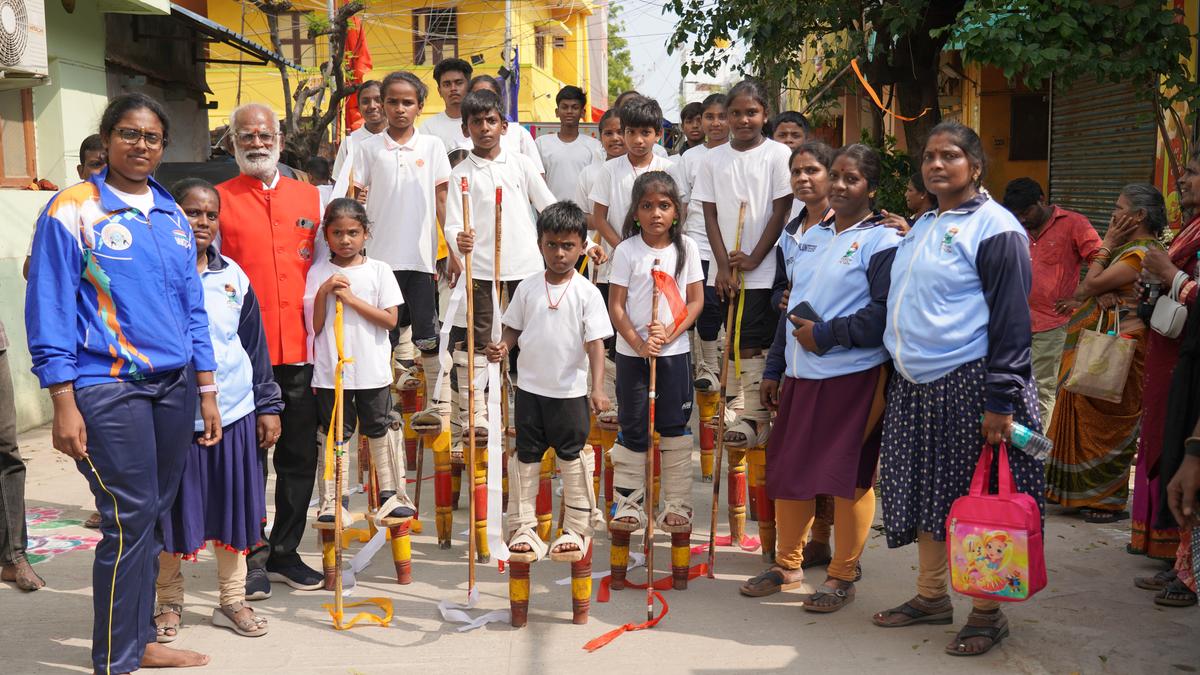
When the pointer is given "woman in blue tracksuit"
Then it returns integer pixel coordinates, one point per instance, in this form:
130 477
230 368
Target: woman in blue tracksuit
958 330
118 333
832 366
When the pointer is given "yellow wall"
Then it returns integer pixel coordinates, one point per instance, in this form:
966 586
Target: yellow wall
390 39
995 98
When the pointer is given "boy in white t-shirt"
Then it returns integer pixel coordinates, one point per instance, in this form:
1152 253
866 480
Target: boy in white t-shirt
560 322
405 174
708 326
751 171
516 138
790 128
369 99
451 77
488 168
567 153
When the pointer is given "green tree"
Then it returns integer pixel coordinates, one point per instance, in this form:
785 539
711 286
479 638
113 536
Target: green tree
899 42
620 64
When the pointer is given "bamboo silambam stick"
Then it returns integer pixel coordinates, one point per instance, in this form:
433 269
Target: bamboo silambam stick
649 498
470 387
721 403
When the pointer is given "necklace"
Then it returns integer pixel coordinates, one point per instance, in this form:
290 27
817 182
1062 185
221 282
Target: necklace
552 304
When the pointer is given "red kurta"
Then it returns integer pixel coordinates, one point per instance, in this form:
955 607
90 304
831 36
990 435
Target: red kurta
271 234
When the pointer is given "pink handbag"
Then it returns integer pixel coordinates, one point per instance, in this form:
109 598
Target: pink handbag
994 541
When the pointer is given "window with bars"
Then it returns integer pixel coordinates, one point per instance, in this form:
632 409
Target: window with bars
435 35
18 153
294 42
539 49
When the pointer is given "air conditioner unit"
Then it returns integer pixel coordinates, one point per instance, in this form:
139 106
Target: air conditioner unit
23 44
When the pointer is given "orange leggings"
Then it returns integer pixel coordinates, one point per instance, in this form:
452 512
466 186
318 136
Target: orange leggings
852 523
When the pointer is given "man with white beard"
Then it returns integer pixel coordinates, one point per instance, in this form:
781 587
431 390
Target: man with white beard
269 225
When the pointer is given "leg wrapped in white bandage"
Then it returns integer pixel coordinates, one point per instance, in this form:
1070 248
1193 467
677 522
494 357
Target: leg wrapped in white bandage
580 515
629 475
676 466
388 460
753 425
521 519
327 490
437 403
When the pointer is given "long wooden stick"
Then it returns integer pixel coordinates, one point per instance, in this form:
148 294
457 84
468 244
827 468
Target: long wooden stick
720 452
339 469
500 302
471 544
649 498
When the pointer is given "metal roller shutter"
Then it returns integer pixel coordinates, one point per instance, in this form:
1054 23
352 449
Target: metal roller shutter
1102 138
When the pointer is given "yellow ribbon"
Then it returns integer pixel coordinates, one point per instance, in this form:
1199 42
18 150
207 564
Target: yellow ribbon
737 325
340 622
339 338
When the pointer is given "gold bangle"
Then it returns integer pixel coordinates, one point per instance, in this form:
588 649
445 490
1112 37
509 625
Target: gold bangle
62 392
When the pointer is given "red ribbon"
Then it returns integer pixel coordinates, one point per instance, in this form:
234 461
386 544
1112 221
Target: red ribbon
747 543
661 584
617 632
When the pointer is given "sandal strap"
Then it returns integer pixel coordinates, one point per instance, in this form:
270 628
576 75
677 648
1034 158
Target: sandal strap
769 575
973 631
164 607
912 611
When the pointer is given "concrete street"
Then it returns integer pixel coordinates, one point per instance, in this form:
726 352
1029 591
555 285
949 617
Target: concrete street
1090 619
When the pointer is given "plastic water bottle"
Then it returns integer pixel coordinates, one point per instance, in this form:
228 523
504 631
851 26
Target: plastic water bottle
1031 442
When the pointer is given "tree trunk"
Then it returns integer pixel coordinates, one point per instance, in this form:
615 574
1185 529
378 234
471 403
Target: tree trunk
273 28
914 96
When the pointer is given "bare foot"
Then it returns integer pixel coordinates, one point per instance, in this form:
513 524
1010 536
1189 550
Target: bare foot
520 547
565 547
161 656
676 520
629 520
21 573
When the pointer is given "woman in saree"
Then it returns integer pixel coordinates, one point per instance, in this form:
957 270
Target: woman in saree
1095 440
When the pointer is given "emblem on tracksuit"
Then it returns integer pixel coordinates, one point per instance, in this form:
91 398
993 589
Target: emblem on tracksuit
848 256
948 240
116 236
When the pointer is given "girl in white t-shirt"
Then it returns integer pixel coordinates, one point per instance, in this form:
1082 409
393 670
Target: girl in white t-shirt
370 298
654 252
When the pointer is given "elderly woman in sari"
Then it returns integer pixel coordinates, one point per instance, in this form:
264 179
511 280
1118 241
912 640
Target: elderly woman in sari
1095 440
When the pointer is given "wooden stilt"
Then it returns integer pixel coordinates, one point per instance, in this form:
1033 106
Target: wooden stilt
618 557
456 472
480 500
328 557
753 475
737 494
707 402
409 404
657 473
581 588
518 593
443 489
398 531
545 498
765 514
681 559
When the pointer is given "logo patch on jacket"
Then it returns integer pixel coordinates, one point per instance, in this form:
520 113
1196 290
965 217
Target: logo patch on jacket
948 240
182 239
116 236
231 296
848 256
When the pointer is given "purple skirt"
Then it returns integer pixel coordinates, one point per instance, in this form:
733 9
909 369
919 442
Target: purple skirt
221 494
816 445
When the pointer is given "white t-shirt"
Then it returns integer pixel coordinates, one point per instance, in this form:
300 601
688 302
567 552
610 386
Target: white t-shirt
353 141
631 265
401 201
614 189
523 185
659 151
363 341
143 202
516 139
758 177
447 128
689 162
565 161
553 359
583 187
